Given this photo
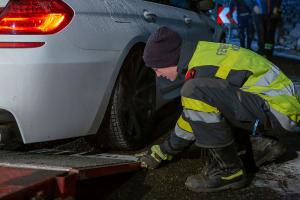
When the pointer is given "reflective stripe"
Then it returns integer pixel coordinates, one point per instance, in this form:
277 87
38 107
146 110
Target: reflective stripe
223 72
265 79
226 65
155 149
184 134
198 105
237 174
268 77
289 90
184 125
284 121
206 117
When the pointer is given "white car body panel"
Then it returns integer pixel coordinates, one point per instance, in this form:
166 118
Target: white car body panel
62 89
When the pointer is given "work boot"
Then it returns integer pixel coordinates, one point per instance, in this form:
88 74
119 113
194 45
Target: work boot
266 150
225 171
154 158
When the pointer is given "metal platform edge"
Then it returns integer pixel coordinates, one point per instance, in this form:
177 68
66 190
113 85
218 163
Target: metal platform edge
26 182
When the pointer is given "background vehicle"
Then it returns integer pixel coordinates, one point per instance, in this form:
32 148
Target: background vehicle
69 66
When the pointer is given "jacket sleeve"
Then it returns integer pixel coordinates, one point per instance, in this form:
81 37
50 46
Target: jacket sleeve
277 3
250 3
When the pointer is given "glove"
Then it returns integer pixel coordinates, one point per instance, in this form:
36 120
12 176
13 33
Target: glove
257 10
154 158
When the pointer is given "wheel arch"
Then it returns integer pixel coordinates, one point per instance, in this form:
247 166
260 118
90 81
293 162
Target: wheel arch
9 120
102 109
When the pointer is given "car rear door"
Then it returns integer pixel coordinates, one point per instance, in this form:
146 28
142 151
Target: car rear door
198 27
157 13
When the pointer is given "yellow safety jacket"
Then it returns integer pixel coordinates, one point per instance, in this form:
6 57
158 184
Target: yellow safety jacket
264 79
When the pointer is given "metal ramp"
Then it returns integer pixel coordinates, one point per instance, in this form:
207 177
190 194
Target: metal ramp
49 173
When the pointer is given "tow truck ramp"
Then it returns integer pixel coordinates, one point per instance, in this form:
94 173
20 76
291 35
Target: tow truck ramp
53 174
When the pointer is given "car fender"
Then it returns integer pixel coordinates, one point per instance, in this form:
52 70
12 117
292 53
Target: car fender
105 103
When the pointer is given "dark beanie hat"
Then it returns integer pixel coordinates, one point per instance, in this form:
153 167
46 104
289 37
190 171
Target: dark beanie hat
162 48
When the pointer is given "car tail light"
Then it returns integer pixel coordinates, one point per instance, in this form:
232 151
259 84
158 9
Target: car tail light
21 44
34 17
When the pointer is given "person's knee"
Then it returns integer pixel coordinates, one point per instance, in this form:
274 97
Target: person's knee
201 88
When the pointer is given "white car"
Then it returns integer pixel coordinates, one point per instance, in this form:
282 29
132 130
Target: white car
73 68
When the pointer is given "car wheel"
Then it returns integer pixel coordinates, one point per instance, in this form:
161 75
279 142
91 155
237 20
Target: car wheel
132 104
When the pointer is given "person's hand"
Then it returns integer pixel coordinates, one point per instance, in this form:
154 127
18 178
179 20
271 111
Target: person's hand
153 158
275 11
256 10
149 162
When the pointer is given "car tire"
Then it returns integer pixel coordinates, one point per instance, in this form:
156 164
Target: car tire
129 117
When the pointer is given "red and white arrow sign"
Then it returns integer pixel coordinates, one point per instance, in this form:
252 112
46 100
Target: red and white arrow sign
234 16
226 15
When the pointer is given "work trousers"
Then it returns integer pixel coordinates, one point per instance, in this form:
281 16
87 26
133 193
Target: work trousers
265 27
211 108
246 30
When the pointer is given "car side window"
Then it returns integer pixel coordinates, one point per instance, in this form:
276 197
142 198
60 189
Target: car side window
166 2
180 3
185 4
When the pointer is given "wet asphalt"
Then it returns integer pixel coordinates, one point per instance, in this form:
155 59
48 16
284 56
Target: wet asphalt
271 182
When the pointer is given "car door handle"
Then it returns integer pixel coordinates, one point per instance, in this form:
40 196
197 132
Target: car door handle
149 16
187 20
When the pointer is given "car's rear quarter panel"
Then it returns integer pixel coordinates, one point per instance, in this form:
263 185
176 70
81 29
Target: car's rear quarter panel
62 89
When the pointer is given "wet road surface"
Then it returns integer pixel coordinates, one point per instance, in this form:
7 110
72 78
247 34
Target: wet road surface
273 181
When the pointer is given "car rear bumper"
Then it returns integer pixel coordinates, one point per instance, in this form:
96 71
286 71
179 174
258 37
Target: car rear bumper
55 93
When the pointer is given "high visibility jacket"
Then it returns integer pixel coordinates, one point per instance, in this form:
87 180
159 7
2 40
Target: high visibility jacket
251 73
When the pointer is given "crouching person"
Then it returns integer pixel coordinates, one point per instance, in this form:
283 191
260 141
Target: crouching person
226 86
